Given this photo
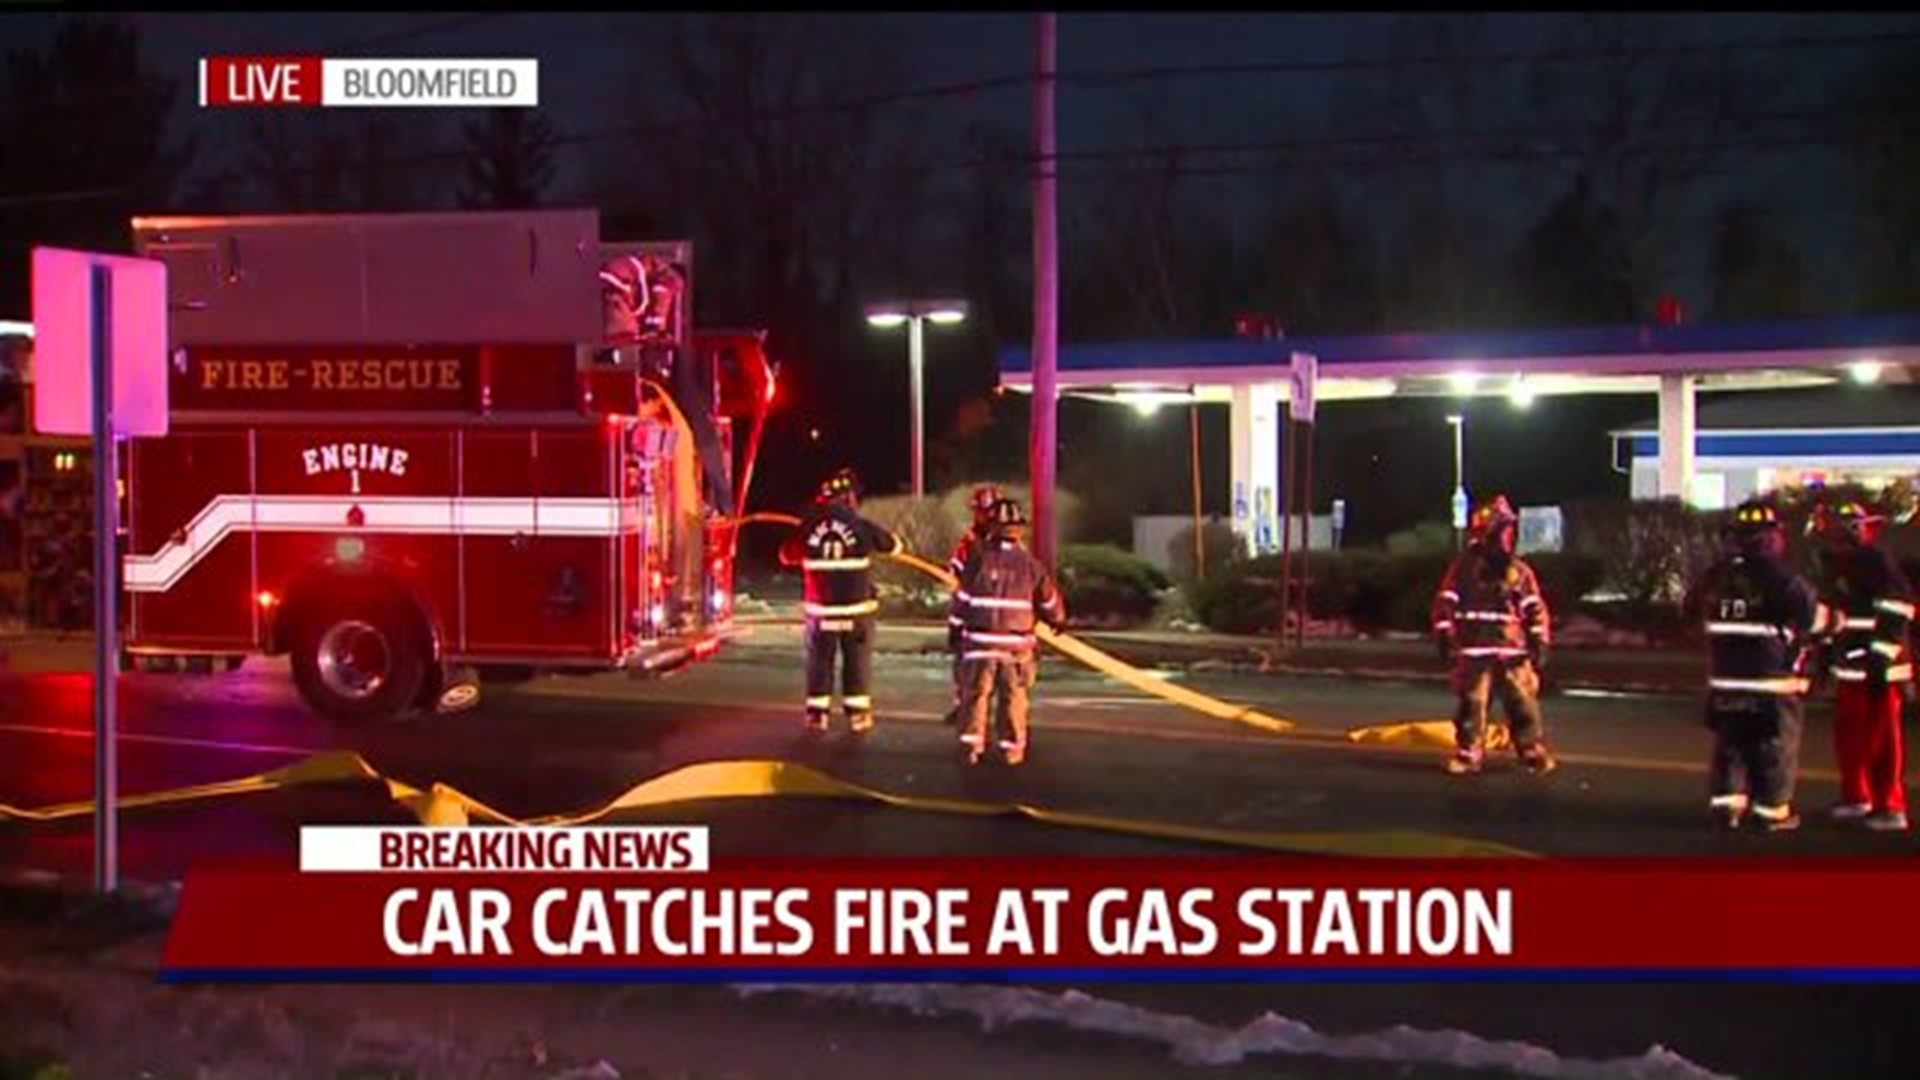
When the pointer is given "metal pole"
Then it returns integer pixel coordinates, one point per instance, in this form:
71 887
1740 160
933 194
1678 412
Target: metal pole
1459 425
1306 533
1046 292
1286 519
916 367
106 588
1199 521
1460 454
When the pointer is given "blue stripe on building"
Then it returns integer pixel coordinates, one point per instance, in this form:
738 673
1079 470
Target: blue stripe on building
1789 445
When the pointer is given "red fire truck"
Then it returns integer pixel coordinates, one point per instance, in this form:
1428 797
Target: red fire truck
404 453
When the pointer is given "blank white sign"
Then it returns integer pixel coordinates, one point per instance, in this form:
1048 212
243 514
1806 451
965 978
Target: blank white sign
63 342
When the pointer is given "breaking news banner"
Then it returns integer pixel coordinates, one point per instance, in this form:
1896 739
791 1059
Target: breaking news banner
311 81
643 904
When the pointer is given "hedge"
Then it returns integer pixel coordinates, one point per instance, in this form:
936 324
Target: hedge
1371 590
1104 585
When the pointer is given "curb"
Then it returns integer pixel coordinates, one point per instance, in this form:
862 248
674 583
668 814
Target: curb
46 894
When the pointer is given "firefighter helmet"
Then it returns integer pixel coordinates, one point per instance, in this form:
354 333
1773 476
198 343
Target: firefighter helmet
1494 520
1755 516
842 487
1007 518
1851 520
1755 529
984 498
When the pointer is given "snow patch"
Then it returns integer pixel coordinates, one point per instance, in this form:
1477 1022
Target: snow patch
1195 1042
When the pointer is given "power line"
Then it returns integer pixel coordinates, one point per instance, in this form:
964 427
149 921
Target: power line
1563 55
1391 150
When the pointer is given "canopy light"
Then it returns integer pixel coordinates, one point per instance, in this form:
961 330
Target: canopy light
1464 381
1521 394
1866 372
892 313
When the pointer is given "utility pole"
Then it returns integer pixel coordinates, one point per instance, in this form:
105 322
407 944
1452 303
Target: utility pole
1046 292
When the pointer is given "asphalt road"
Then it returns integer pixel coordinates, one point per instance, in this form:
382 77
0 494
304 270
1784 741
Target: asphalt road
1631 783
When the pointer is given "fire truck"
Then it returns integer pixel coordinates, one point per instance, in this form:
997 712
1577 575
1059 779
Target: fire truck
404 452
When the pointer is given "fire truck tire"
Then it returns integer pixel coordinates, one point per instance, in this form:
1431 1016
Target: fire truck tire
361 658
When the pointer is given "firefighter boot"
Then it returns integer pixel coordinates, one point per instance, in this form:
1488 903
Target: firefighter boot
1464 761
1016 752
1538 759
1775 818
975 746
819 714
1886 821
859 709
1730 811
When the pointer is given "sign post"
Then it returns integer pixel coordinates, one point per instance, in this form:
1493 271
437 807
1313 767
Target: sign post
106 591
100 369
1305 373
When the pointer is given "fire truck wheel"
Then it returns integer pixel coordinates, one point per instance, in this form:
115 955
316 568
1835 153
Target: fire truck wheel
362 658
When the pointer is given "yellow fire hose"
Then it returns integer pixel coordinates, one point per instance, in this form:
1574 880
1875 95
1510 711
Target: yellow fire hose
442 806
1076 649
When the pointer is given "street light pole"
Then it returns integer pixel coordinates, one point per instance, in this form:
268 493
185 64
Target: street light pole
915 315
1459 424
916 360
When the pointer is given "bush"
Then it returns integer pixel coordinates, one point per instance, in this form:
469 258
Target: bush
1241 600
1648 551
1566 577
1425 539
1372 590
1223 550
930 527
1107 586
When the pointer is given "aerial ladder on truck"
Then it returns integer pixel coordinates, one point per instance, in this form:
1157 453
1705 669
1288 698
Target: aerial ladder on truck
405 454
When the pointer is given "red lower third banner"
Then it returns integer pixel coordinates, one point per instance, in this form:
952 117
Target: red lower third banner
1060 919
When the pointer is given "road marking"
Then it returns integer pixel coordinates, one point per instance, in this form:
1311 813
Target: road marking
166 740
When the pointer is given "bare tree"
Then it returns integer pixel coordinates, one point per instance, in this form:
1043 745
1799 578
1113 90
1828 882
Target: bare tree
364 160
1884 161
771 127
510 159
1756 271
88 144
1439 262
1642 129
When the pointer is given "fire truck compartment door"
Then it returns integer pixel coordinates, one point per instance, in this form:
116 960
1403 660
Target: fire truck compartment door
478 279
519 277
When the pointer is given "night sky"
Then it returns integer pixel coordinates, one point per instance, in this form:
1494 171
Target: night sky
588 61
594 64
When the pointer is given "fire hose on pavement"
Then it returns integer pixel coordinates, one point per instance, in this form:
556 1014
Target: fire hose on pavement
1080 651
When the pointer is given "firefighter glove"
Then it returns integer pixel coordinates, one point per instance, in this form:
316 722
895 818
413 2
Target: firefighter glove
1537 655
1443 645
953 638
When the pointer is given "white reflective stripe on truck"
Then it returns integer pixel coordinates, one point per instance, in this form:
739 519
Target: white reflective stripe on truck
383 514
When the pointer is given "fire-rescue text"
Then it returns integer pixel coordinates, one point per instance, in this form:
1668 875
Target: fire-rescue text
300 375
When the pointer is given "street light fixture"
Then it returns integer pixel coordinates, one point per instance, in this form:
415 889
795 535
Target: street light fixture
914 315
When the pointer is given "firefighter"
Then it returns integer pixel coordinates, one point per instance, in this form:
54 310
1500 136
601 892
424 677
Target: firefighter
980 503
1760 619
1491 624
835 548
1871 607
1002 593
